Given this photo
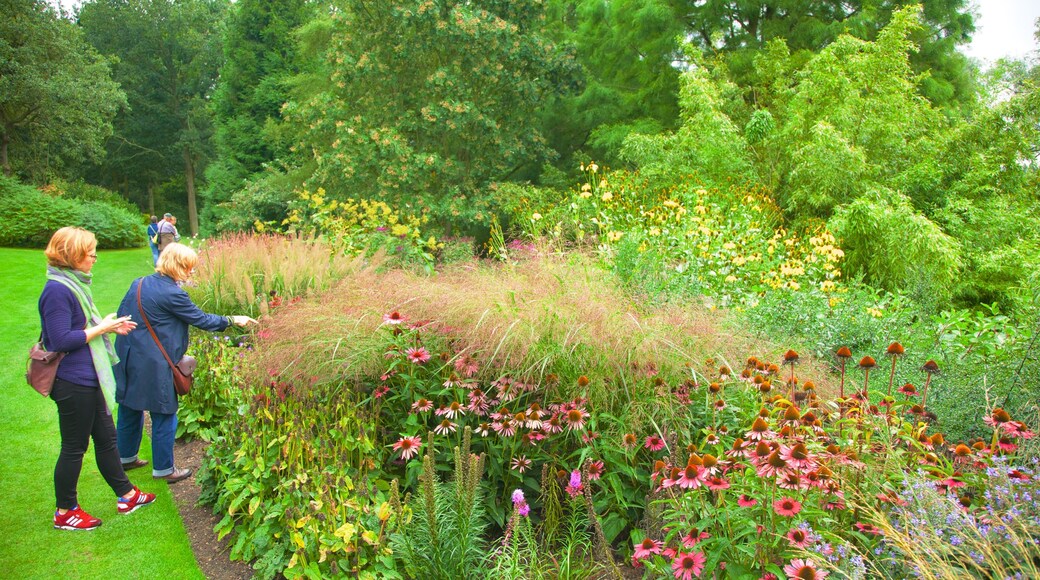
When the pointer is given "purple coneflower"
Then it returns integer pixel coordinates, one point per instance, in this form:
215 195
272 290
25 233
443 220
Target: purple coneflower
408 446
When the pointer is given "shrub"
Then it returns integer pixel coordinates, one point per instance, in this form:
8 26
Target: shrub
29 216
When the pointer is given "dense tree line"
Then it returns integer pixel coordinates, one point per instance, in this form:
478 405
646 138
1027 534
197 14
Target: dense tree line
843 111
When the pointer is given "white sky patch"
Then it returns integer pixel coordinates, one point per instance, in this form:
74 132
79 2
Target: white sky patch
1004 28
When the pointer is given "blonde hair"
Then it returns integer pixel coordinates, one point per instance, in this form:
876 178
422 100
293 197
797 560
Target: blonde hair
177 261
69 246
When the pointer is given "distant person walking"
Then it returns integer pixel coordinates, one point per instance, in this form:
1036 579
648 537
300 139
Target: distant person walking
153 238
167 232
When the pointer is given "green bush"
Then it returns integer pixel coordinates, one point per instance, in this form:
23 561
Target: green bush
114 226
29 216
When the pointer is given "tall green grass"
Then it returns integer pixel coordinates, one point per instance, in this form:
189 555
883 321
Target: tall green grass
151 542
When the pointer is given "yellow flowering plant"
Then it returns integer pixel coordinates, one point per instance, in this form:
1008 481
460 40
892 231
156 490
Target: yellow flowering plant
360 226
727 242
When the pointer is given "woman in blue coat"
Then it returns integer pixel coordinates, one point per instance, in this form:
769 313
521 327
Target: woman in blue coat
144 380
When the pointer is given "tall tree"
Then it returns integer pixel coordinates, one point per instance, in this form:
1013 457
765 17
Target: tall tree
427 102
628 51
57 96
739 28
259 62
169 54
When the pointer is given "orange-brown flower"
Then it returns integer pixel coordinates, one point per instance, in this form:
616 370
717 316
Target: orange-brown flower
790 357
895 349
930 367
867 363
844 352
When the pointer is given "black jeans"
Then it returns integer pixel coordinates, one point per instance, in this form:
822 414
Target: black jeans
81 417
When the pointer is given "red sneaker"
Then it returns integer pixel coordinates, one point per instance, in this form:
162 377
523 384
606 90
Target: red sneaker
137 500
75 519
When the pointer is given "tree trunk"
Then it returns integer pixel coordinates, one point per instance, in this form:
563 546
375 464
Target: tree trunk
189 179
151 198
3 154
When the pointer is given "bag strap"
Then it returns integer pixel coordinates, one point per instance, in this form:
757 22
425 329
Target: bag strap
149 325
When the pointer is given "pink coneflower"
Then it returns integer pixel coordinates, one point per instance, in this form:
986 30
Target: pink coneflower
466 365
647 548
908 389
452 410
392 318
506 427
521 463
799 538
654 443
745 501
868 529
552 425
694 537
691 477
800 569
787 507
596 470
418 355
422 405
408 446
445 427
716 483
773 466
453 381
792 481
575 419
797 456
629 440
483 429
759 430
382 390
686 566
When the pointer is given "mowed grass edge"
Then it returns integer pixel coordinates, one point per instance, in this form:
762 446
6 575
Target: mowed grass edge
151 542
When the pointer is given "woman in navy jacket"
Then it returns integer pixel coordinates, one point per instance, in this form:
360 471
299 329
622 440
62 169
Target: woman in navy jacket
144 380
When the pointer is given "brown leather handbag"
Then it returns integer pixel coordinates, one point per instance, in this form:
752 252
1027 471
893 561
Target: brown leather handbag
42 368
183 369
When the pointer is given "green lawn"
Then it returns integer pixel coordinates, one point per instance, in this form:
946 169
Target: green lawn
151 542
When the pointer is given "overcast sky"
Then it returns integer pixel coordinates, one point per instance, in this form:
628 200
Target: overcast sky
1002 28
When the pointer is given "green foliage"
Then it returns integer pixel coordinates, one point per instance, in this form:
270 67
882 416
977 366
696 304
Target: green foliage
893 247
113 226
168 57
264 197
260 56
57 96
289 474
29 217
707 143
427 103
217 393
445 539
738 30
628 84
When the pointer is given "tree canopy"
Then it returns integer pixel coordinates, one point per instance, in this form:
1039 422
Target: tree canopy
57 96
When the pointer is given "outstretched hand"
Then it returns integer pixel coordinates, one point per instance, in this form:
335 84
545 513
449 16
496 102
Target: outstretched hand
242 320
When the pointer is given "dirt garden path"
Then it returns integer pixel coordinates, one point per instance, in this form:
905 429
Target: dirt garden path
211 555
